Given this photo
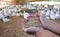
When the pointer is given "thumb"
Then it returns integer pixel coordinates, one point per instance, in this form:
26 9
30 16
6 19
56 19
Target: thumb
42 17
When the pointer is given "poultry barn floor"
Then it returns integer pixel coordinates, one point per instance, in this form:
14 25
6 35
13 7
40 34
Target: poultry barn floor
13 28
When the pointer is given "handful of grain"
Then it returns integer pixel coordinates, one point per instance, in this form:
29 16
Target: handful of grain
33 21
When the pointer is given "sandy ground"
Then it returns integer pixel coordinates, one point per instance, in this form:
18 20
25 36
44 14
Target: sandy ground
13 28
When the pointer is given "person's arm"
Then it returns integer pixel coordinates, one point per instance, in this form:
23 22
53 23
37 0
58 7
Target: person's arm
45 33
39 32
51 25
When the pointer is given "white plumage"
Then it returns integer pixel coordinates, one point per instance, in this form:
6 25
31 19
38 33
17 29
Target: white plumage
52 17
26 15
13 10
5 19
1 15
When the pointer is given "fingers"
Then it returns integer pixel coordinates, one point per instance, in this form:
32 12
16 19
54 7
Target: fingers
37 15
46 33
32 30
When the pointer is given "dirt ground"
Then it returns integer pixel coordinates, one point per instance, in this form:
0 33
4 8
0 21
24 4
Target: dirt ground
13 28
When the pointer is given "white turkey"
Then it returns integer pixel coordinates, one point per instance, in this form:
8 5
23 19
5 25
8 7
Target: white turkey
26 15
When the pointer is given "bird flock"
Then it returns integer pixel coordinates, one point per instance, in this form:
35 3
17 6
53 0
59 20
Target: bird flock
8 11
50 11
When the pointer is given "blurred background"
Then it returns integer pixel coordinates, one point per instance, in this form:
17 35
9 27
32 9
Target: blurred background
14 28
